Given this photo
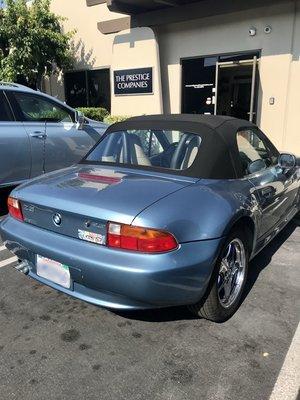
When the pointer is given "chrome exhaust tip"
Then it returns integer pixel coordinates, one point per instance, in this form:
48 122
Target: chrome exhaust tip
23 267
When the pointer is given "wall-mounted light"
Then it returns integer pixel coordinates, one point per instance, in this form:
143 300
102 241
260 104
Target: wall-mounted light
268 29
272 101
252 31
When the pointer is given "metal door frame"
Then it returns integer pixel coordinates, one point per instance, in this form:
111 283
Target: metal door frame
228 64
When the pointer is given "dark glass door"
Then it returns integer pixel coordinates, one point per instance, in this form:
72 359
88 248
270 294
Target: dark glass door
198 85
236 89
224 84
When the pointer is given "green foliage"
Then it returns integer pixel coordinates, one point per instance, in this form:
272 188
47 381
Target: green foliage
111 119
96 113
32 44
54 115
101 114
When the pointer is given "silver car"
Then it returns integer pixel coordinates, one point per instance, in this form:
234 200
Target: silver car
39 134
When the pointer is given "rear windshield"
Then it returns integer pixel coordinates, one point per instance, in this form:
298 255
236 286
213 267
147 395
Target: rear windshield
170 149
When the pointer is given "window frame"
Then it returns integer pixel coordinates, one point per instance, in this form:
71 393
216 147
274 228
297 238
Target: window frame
19 114
11 115
270 148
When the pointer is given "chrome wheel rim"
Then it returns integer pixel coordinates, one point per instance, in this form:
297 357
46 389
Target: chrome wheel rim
231 273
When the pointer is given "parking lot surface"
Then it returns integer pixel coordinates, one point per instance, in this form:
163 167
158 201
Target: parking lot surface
55 347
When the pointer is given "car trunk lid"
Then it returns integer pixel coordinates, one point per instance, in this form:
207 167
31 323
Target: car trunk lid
84 198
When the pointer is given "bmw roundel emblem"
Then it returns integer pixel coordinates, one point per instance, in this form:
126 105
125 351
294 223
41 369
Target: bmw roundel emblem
57 219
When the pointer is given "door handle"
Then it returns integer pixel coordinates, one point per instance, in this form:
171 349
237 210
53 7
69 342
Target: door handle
38 135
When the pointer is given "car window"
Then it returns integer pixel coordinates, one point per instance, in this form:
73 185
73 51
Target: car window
36 108
5 112
150 143
254 153
151 148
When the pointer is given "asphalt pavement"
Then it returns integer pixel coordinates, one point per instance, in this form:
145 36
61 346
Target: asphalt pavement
55 347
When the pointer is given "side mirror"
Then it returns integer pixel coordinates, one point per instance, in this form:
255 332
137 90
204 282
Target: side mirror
79 119
287 161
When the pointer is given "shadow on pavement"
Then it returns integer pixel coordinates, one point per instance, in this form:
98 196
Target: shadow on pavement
158 314
258 264
264 258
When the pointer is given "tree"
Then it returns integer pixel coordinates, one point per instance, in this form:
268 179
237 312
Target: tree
32 43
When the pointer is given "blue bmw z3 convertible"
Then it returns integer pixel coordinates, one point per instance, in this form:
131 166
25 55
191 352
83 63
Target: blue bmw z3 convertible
163 211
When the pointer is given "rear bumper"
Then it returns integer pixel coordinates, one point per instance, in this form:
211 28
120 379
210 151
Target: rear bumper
115 278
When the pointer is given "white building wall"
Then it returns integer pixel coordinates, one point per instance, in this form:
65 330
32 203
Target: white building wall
229 34
92 49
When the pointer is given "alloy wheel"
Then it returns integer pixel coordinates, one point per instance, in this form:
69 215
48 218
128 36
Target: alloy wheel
231 274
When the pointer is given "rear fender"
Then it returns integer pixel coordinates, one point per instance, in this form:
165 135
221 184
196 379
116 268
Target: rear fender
206 210
248 222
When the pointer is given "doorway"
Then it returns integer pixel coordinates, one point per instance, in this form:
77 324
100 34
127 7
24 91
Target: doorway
235 92
221 85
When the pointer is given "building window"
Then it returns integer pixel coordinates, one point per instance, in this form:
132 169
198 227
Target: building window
90 88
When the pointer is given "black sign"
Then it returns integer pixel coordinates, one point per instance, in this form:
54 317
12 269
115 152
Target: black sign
133 81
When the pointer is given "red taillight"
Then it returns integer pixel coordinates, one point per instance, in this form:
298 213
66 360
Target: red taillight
14 208
139 239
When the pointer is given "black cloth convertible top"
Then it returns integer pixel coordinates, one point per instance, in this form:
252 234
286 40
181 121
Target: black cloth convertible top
191 121
213 121
218 156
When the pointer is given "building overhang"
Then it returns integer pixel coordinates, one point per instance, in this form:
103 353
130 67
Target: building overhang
133 7
151 13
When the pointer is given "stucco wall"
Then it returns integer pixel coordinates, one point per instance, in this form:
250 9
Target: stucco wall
279 68
92 49
137 48
291 136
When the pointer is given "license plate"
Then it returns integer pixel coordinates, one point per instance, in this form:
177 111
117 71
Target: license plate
53 271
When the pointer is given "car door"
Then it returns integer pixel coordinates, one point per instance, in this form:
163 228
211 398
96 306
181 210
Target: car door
56 140
15 154
29 112
66 142
259 161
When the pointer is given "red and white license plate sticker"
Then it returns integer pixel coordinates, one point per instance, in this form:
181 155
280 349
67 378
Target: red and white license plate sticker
53 271
93 237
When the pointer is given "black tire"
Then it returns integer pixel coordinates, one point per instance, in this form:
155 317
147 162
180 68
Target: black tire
210 306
